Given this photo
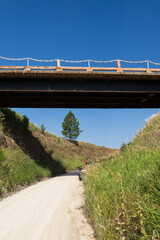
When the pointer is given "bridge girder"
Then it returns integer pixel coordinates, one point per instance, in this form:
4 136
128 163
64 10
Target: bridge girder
79 89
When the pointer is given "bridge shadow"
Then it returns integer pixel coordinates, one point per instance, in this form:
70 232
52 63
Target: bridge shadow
75 173
70 174
16 127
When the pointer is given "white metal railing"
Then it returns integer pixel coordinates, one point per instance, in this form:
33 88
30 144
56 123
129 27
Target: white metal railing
59 66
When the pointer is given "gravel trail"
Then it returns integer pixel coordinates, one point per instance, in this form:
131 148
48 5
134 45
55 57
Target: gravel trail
49 210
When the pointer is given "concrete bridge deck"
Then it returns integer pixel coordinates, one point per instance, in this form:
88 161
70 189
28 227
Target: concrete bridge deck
79 87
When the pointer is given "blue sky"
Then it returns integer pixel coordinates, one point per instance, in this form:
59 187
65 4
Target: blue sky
76 30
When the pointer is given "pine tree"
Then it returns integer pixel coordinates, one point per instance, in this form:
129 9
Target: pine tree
70 126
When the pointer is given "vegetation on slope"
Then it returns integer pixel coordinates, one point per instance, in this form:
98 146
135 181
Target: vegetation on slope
17 169
18 166
123 195
28 154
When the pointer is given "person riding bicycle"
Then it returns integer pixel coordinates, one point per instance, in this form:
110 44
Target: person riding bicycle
86 161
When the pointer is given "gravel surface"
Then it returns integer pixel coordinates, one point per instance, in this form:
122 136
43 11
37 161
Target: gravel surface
49 210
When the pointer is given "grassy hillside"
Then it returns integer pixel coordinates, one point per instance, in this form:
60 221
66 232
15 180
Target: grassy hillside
17 169
123 195
28 155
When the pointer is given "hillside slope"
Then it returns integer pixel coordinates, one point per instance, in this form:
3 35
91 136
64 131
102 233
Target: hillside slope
28 155
123 195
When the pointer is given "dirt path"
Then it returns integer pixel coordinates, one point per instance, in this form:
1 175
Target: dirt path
50 210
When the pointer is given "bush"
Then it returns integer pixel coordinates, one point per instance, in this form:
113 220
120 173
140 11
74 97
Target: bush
58 140
25 121
2 117
2 155
123 147
43 128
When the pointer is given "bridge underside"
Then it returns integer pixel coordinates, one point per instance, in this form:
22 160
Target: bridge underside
39 89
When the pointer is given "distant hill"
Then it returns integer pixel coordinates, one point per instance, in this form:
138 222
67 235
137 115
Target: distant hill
28 155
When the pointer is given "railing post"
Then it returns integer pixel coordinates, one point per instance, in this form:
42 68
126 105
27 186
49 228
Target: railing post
27 68
119 69
89 69
58 68
118 63
58 63
148 69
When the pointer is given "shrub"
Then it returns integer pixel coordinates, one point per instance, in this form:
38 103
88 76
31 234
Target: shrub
43 128
50 152
25 121
2 155
2 117
123 147
58 140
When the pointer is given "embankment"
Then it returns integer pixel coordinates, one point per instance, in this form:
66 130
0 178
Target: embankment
28 155
123 194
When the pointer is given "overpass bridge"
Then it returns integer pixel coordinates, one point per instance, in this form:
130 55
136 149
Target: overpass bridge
79 87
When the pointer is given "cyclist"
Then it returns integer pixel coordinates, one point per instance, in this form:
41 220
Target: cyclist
86 161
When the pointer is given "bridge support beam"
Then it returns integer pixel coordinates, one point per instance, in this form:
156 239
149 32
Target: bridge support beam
67 89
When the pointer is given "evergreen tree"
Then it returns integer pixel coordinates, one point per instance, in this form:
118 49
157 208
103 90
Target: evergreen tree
70 126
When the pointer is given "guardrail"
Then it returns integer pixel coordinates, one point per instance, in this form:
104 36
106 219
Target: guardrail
79 69
60 68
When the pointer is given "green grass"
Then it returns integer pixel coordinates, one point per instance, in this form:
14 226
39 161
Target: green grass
123 194
38 155
35 157
18 169
71 164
